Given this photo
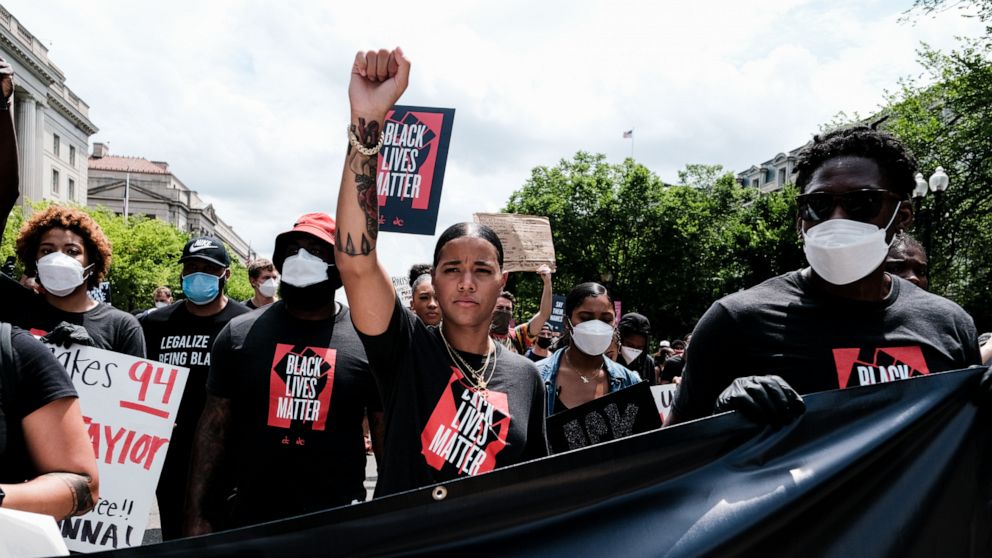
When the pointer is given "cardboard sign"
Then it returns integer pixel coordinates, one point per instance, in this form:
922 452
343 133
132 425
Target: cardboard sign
527 243
557 319
616 415
411 168
664 397
129 405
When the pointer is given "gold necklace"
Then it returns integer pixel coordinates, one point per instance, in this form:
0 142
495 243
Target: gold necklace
475 377
585 380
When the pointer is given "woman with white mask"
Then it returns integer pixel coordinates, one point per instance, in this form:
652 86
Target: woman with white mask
68 254
580 372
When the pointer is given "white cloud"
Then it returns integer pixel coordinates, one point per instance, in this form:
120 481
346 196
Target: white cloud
247 100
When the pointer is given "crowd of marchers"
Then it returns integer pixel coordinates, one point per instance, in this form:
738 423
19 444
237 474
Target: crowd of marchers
289 391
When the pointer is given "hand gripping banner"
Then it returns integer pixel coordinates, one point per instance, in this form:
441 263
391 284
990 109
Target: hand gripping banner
900 469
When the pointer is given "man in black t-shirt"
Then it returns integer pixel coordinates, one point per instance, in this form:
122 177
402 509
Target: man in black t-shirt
289 387
183 334
842 322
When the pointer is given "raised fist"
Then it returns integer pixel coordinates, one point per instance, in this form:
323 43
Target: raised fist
378 79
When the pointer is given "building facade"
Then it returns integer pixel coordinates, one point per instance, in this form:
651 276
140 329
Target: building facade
773 174
52 123
149 188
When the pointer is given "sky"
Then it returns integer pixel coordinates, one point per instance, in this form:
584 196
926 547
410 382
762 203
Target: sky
247 100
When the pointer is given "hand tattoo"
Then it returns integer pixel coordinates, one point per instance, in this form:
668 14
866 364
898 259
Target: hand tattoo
368 196
79 486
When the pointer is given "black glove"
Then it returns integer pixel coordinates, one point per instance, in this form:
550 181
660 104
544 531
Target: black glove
763 399
66 334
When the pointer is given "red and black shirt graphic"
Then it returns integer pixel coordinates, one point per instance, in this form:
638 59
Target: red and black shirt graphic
300 386
867 366
467 429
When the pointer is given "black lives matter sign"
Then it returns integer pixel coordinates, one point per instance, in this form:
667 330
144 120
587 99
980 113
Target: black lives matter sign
411 168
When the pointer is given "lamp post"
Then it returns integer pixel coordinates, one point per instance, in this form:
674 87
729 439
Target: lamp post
937 184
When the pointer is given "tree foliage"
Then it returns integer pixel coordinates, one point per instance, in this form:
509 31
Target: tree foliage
945 117
145 256
665 251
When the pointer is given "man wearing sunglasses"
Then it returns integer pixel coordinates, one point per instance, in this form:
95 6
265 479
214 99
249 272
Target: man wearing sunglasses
841 322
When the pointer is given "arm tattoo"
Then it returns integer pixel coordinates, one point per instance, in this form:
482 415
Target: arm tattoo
79 486
368 197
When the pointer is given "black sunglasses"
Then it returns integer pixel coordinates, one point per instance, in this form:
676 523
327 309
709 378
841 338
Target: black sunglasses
860 205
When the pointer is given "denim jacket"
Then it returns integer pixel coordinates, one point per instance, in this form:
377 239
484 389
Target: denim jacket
620 377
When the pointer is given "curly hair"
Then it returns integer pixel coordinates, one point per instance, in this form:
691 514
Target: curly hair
896 163
416 270
57 217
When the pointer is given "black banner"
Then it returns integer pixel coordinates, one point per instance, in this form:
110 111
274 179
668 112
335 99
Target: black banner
616 415
900 469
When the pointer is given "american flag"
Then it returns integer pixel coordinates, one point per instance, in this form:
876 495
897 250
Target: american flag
629 134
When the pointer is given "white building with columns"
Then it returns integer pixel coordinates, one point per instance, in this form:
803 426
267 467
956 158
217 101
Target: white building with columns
52 123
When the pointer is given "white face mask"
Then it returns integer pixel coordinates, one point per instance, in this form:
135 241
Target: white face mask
592 337
269 286
630 354
843 251
303 269
60 274
161 304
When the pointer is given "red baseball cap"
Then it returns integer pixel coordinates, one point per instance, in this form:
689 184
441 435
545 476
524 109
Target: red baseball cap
318 225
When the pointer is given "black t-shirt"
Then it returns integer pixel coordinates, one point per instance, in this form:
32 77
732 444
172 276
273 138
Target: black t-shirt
110 328
176 336
36 380
439 428
816 342
250 305
299 390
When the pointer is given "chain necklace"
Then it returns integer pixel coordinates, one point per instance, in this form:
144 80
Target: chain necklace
475 377
585 380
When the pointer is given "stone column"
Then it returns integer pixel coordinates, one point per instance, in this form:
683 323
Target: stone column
27 146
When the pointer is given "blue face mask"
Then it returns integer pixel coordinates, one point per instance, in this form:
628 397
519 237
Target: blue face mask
201 288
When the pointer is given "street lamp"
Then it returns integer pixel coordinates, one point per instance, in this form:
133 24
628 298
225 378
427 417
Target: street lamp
937 183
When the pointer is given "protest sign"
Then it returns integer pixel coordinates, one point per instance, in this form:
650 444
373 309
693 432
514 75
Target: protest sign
611 417
411 168
557 319
527 243
664 397
129 405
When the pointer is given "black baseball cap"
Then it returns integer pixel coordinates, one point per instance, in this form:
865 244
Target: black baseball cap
206 248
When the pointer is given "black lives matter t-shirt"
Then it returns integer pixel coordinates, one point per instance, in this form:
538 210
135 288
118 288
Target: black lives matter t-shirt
299 390
816 342
35 380
438 426
110 328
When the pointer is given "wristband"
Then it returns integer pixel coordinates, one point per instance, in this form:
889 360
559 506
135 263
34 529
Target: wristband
367 151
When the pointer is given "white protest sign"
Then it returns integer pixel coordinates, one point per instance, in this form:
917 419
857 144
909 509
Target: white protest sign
526 239
664 397
26 535
129 405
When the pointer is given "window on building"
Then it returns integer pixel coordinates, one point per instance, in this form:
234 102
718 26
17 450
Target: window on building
72 155
754 182
72 189
55 181
781 176
56 144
